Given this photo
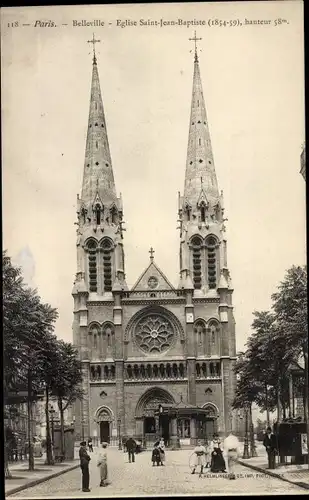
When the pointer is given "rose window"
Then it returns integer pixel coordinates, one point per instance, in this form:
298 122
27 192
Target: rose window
154 334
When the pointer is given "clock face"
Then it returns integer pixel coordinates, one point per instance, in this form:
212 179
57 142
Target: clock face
190 318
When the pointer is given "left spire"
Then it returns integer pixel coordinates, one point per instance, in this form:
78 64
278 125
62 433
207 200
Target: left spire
98 178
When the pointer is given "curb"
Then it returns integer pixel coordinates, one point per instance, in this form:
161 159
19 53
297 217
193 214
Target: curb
273 474
40 480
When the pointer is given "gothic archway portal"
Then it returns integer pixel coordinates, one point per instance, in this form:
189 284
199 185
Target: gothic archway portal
104 419
208 426
152 426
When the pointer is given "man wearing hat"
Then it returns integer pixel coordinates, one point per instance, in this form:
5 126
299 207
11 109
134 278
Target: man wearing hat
84 465
270 443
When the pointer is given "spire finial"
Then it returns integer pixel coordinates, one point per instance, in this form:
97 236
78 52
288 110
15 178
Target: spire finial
94 41
151 251
195 39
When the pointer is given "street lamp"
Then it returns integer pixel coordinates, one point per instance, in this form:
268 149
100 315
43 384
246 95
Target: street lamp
119 437
52 411
246 441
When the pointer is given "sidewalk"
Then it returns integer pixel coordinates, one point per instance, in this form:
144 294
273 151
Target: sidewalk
22 478
295 474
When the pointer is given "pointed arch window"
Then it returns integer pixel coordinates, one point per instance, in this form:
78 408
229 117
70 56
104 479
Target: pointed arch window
92 265
211 244
214 330
114 215
200 331
203 212
96 144
199 141
197 262
107 264
98 214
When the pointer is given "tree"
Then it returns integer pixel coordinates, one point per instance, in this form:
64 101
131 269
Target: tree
27 330
291 310
66 382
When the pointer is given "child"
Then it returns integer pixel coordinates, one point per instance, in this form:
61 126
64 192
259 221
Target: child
156 458
102 463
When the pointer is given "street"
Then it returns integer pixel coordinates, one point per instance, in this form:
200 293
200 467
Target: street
141 479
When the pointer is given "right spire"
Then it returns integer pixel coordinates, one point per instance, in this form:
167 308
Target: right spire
200 170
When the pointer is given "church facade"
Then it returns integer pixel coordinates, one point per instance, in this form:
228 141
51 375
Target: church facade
154 345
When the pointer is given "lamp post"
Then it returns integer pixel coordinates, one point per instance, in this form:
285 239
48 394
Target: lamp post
119 437
52 411
246 441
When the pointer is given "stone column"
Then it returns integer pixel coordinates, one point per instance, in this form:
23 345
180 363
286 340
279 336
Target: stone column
157 425
174 438
193 431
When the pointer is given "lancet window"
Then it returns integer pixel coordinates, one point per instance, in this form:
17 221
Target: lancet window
211 244
214 330
197 262
107 264
92 265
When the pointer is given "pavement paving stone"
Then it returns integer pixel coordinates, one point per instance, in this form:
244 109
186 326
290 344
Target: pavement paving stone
142 479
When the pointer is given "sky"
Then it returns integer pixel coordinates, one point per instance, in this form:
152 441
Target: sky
253 82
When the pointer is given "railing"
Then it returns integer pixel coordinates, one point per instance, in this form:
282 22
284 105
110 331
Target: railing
207 370
103 372
158 294
155 371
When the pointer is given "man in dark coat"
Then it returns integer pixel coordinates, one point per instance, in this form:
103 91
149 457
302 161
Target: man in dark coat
84 465
270 443
131 447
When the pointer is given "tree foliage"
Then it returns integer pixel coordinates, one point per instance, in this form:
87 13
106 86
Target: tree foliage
277 339
31 350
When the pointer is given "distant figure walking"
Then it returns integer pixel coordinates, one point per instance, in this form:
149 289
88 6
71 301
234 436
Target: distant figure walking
199 457
232 451
131 447
90 447
84 465
102 463
270 443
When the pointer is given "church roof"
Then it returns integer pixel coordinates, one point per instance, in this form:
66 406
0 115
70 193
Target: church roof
200 168
152 278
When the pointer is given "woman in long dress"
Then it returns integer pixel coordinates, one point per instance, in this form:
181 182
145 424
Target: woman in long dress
102 463
217 461
162 451
198 458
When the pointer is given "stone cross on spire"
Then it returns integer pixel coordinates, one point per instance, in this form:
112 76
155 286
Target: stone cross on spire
195 39
94 41
151 251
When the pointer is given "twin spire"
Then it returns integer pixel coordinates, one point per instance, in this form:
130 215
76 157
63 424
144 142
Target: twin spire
98 177
200 177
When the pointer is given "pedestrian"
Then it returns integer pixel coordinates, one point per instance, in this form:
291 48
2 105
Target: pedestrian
102 463
217 461
155 457
270 443
90 447
84 465
131 447
162 451
199 457
232 451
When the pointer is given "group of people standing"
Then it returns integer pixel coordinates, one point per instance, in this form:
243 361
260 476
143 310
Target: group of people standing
218 456
85 458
